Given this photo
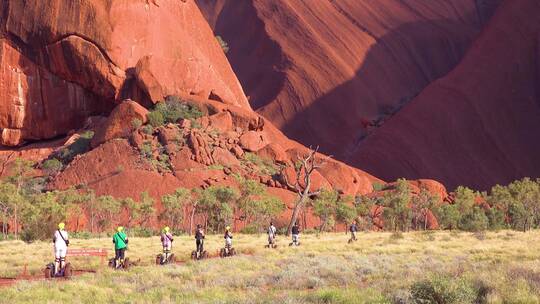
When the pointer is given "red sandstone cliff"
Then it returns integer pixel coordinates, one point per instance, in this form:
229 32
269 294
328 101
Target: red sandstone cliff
477 126
62 61
325 72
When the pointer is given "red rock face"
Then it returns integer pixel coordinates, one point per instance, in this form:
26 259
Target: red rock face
477 126
62 61
325 72
36 104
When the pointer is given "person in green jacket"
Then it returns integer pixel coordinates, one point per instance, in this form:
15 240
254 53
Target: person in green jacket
120 241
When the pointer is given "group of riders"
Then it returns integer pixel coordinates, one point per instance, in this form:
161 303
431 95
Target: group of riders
120 241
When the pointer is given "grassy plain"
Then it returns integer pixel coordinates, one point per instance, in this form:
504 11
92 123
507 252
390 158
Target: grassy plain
442 267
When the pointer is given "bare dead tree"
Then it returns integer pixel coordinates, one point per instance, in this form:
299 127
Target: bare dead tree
304 168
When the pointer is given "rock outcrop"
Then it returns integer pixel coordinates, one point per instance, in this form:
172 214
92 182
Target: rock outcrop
327 72
478 126
63 61
122 120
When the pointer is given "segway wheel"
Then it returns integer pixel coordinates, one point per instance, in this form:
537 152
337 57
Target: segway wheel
222 252
204 255
127 263
172 259
232 252
68 271
194 255
49 271
158 259
112 263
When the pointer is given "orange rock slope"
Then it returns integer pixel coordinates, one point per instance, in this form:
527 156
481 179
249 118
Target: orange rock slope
477 126
324 72
62 61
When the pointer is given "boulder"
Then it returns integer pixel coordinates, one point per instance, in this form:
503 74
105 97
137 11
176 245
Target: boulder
253 141
120 122
224 157
275 153
221 121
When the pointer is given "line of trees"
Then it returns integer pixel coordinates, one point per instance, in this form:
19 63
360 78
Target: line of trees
38 212
23 204
515 206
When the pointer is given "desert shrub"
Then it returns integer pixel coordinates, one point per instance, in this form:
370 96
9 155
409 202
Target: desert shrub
52 166
136 123
378 186
155 118
171 111
146 149
251 229
444 290
80 146
224 45
264 165
148 129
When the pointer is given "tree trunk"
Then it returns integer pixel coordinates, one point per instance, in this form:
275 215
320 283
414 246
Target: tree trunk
16 222
296 212
191 221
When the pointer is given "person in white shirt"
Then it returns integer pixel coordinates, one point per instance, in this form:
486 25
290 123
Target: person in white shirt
61 242
271 234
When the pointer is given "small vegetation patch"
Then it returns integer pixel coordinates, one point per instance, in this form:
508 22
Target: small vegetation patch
265 166
52 166
171 110
224 45
79 146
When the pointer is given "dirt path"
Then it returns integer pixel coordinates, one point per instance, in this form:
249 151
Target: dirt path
6 282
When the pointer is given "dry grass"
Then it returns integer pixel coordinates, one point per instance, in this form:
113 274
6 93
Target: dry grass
502 267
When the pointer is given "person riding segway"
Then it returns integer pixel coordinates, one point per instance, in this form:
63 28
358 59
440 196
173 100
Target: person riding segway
200 253
166 242
271 236
60 268
353 229
295 231
120 241
228 250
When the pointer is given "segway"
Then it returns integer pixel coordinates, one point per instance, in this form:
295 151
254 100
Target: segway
160 259
272 244
227 252
294 243
199 255
65 272
121 265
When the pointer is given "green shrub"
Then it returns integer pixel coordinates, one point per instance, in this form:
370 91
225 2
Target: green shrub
155 118
444 290
52 166
250 229
264 165
224 45
171 111
378 186
80 146
136 123
146 149
148 129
